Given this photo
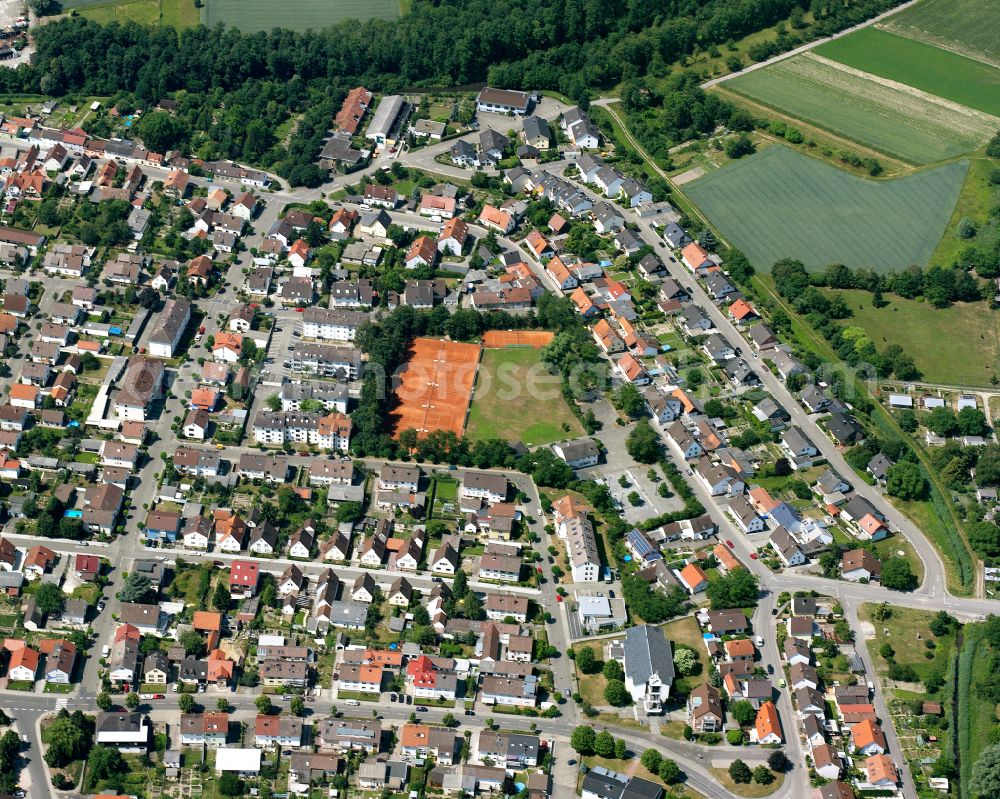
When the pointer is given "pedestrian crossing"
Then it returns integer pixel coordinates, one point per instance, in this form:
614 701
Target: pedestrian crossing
61 704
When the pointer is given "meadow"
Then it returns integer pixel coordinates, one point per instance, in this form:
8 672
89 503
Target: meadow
920 328
920 65
165 13
913 127
968 27
779 203
262 15
517 400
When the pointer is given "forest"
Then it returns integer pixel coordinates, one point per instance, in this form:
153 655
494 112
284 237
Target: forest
235 88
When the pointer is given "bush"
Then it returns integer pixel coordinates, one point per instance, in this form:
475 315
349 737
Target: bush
740 772
735 737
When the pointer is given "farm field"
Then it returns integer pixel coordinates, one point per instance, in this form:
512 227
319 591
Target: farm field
969 27
781 204
516 399
262 15
923 66
914 127
166 13
920 328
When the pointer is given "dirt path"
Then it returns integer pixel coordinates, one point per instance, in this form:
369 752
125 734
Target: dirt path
808 46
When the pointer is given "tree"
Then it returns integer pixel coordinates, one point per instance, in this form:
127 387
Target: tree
630 402
137 588
69 740
297 705
160 131
350 512
104 762
582 740
613 670
104 701
586 660
942 623
941 421
743 712
740 772
906 481
897 575
231 785
762 775
192 642
222 600
643 444
984 538
604 744
616 694
985 782
131 700
669 771
185 702
263 703
222 705
734 590
651 760
49 599
972 422
778 762
621 749
685 661
738 146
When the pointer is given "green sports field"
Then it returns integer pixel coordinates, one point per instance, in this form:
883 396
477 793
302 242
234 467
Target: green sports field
779 203
920 65
969 27
262 15
893 121
516 399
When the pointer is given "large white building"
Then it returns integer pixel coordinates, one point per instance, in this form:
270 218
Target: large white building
327 431
170 326
330 324
649 667
585 562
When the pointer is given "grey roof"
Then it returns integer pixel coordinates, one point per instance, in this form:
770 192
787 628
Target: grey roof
647 652
603 783
535 127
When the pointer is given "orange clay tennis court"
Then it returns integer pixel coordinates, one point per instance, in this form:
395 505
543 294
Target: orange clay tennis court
497 339
435 387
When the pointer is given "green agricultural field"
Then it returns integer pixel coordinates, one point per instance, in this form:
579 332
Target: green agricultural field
920 65
920 328
915 128
779 203
516 399
969 27
262 15
172 13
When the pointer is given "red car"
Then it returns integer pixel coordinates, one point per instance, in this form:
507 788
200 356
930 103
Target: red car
753 556
729 543
299 310
558 598
159 696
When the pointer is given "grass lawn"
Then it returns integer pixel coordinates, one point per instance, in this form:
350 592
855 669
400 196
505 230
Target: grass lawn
970 27
919 328
57 688
631 766
920 65
516 399
172 13
779 203
977 716
686 631
361 696
898 546
20 685
904 626
751 790
977 198
262 15
915 128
